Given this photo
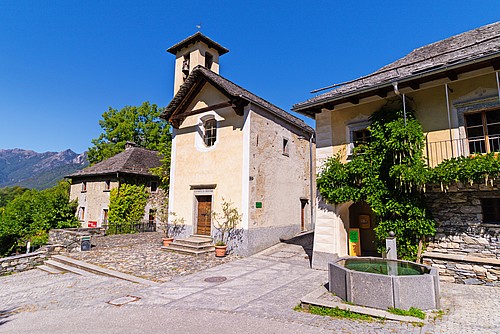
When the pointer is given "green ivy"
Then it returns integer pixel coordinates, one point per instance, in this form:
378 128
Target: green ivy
475 168
389 174
126 207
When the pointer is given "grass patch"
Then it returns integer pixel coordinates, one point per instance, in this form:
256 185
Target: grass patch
437 314
412 312
338 313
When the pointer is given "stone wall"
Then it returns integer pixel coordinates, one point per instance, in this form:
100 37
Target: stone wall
18 263
70 239
465 249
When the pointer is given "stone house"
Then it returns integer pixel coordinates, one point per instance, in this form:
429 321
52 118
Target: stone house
92 185
231 145
453 86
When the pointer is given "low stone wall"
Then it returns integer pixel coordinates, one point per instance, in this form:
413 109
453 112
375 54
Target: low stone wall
18 263
70 240
464 249
465 269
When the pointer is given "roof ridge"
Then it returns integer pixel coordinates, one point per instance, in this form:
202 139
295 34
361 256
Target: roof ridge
246 90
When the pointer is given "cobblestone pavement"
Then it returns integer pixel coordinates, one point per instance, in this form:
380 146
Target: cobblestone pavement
140 255
253 294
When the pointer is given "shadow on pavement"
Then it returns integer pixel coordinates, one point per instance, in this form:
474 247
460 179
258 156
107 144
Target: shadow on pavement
5 314
304 240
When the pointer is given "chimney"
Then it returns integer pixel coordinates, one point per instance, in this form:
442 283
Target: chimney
130 144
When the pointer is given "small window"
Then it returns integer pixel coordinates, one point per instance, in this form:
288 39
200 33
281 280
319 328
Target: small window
210 134
82 213
84 186
154 186
185 66
107 185
360 137
491 210
209 59
286 147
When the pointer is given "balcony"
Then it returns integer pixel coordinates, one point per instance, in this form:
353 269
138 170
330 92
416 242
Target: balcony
436 152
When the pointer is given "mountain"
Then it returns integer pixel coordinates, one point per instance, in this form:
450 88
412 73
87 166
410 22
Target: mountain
30 169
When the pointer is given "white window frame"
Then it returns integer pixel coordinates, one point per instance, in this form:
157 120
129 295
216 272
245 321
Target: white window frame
360 122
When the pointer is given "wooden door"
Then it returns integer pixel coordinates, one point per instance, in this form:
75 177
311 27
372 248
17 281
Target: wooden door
204 222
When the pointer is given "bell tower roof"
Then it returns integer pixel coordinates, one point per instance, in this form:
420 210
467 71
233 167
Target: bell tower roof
193 39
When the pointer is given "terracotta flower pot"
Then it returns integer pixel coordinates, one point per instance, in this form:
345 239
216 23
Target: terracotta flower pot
167 241
220 251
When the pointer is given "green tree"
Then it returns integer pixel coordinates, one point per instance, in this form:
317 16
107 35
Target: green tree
141 125
30 216
389 174
126 207
7 194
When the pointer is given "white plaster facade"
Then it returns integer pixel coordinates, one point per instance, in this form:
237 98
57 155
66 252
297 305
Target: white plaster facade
248 164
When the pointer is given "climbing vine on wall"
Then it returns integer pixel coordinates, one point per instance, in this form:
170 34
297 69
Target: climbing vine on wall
388 173
126 207
474 168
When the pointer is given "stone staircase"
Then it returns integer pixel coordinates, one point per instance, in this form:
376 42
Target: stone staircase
58 264
193 245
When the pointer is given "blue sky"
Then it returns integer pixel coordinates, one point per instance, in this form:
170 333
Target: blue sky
63 63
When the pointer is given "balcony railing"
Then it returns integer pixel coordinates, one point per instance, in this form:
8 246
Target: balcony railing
142 226
437 151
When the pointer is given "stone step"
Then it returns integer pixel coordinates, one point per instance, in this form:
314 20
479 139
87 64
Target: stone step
50 270
66 268
188 250
91 268
201 236
194 247
193 242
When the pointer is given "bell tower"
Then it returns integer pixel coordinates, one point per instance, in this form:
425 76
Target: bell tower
193 51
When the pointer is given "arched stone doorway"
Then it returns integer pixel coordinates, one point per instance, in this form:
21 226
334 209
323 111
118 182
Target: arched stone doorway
362 217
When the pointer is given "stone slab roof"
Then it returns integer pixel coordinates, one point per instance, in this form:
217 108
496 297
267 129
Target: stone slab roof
196 38
134 160
466 47
233 90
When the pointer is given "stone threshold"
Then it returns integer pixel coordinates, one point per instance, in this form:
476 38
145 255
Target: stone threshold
314 298
463 258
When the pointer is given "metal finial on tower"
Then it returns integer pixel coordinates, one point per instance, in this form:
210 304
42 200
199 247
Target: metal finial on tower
198 26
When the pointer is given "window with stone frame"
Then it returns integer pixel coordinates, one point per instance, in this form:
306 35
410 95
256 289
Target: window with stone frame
360 137
84 186
210 132
483 131
491 210
81 213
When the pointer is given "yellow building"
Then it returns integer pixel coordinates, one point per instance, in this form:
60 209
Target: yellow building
453 86
231 145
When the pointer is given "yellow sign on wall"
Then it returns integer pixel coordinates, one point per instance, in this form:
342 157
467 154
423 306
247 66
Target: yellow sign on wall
354 242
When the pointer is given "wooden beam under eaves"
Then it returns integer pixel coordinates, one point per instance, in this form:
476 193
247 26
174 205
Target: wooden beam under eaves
496 64
452 75
414 85
353 100
382 93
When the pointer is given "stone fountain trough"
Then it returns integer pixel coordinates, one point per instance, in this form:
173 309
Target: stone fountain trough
382 283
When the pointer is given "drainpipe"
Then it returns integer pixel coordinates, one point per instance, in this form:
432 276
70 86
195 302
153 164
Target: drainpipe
397 92
311 177
449 118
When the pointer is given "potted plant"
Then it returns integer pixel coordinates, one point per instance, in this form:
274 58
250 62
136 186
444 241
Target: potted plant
171 225
225 223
